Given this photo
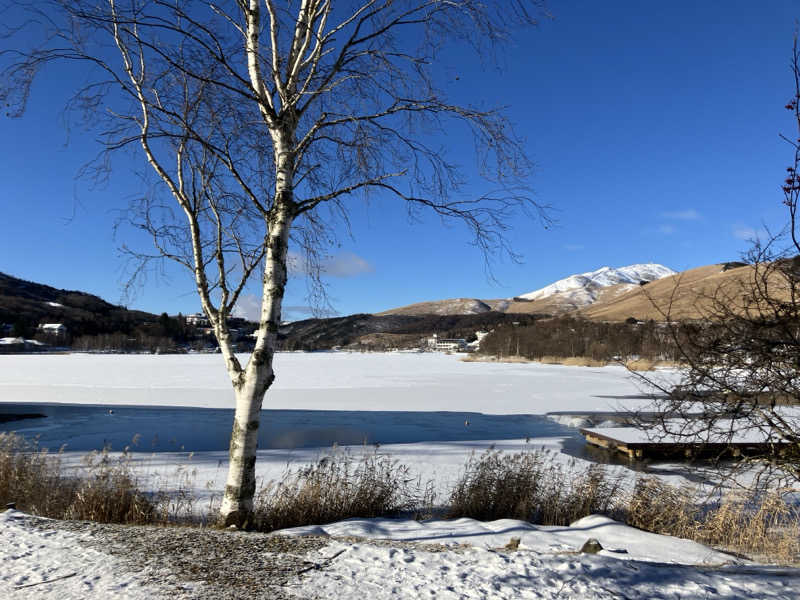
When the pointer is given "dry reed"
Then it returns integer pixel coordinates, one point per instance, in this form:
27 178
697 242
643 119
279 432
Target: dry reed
531 486
106 492
583 361
491 358
339 487
764 524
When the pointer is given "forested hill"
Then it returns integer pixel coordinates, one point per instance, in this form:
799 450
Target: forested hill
382 332
25 304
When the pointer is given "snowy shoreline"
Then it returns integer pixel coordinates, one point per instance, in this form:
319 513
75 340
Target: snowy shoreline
378 558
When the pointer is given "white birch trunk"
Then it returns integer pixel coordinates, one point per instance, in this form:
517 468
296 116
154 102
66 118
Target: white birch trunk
251 385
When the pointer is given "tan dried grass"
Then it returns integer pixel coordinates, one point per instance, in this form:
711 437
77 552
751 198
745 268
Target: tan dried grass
492 358
583 361
551 360
641 364
532 487
762 524
106 491
339 487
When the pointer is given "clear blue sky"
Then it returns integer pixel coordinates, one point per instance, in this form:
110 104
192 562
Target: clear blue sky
653 125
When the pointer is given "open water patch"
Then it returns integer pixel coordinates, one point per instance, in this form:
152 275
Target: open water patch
81 427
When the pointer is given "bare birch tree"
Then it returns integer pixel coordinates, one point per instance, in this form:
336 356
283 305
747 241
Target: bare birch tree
262 119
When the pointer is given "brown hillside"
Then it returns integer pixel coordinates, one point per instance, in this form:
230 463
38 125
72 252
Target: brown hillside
687 295
453 306
561 303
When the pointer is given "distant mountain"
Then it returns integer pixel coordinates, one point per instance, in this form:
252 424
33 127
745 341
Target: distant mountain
585 286
686 295
583 289
454 306
25 304
564 295
605 295
381 332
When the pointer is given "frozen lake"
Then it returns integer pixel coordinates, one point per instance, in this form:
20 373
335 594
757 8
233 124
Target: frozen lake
318 381
415 406
184 402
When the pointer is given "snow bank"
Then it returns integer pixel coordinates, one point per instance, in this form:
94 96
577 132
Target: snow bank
545 566
56 564
618 540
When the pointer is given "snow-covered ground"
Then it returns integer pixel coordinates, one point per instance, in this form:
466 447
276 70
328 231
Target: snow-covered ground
462 559
378 572
29 557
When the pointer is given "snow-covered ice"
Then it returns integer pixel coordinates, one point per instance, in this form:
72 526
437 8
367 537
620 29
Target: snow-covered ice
320 381
323 381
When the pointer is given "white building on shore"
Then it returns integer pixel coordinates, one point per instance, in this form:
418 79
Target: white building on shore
438 344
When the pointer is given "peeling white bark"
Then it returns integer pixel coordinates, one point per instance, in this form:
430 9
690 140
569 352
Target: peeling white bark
251 384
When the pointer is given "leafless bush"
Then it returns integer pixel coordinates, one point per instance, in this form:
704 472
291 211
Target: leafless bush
103 489
531 486
338 487
761 524
109 493
740 360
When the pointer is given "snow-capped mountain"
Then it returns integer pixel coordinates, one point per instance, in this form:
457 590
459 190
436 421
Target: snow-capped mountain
571 293
583 288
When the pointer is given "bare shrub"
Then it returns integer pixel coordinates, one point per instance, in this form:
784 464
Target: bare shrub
531 486
104 489
338 487
758 523
109 493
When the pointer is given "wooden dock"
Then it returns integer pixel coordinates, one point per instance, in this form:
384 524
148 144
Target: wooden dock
635 444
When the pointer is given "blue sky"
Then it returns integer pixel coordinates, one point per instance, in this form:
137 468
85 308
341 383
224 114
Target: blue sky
653 127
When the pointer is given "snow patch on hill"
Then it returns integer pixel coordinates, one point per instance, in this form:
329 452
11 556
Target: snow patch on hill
582 289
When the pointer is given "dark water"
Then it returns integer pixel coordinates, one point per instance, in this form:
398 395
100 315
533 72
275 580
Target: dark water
90 427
